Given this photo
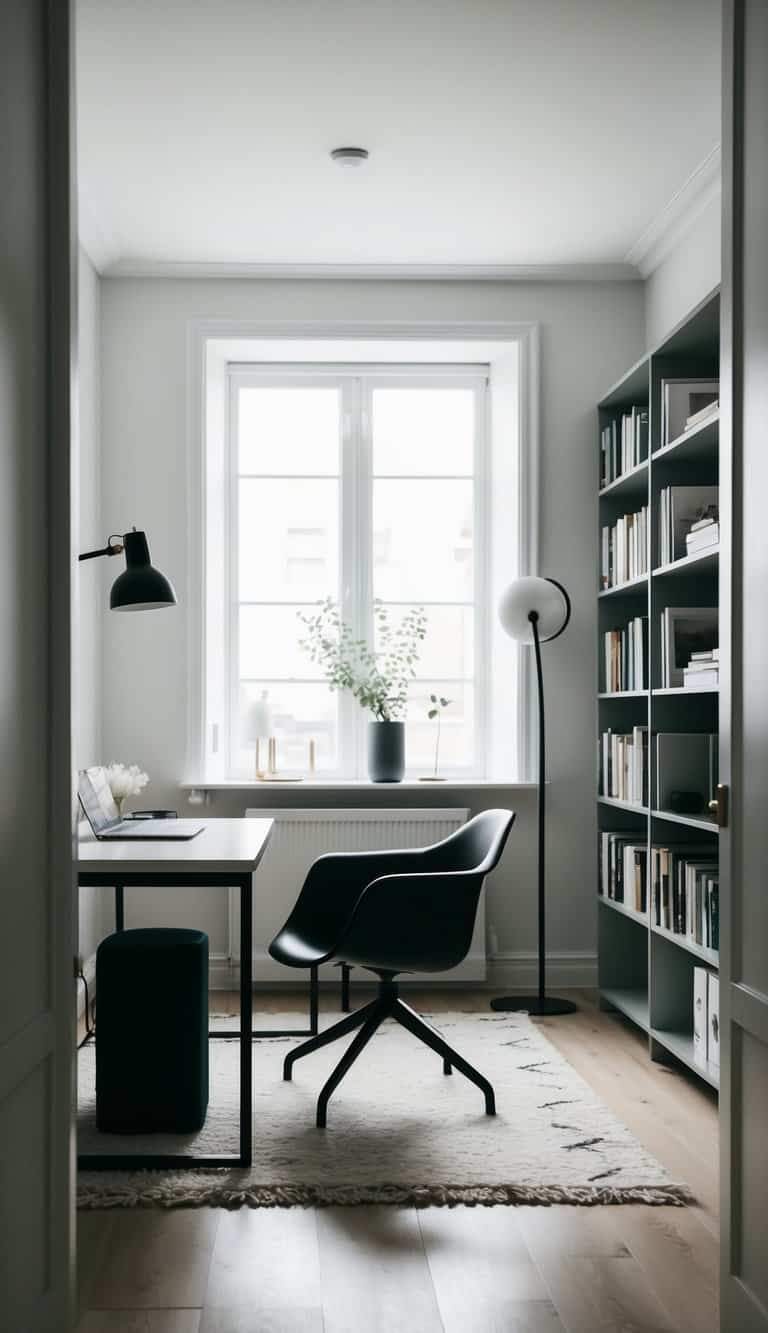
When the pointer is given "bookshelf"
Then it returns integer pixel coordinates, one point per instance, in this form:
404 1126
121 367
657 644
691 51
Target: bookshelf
646 968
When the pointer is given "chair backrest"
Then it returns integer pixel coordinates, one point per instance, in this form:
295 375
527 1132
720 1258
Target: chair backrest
477 845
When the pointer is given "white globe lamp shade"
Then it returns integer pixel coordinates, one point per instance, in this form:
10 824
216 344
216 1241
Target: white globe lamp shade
545 597
258 719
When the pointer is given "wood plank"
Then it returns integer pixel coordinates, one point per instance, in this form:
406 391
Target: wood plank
374 1272
483 1274
262 1321
265 1259
681 1258
595 1283
140 1321
155 1258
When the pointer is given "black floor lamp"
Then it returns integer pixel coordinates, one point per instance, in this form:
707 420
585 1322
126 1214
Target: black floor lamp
535 611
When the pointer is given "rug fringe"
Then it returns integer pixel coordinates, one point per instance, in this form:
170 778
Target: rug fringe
154 1189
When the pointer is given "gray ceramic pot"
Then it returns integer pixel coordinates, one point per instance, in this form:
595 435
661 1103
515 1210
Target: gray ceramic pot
386 751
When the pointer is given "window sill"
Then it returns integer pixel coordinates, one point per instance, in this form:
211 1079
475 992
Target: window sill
358 784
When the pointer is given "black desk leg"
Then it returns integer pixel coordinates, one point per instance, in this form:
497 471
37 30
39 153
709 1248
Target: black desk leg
246 1018
119 907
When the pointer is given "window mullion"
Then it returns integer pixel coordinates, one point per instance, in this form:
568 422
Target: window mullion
365 545
348 592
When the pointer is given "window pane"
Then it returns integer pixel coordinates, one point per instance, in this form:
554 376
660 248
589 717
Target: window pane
289 540
422 540
300 713
448 649
289 430
269 643
423 431
457 729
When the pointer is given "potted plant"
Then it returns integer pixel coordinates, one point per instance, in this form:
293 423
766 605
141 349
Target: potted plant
378 678
436 711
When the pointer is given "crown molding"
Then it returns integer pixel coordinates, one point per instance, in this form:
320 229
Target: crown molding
148 268
676 219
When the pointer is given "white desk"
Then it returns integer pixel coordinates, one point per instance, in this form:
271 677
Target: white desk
225 855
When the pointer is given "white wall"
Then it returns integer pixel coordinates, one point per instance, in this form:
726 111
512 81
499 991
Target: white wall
689 272
590 334
90 575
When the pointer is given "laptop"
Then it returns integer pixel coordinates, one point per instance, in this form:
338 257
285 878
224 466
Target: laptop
104 818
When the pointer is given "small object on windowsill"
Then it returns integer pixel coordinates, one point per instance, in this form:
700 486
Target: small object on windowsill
432 778
312 754
272 774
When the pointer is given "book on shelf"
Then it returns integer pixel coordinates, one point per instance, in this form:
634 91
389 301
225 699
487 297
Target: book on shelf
713 1019
685 630
684 893
702 536
624 549
682 399
701 680
626 656
623 444
682 509
686 761
623 869
700 1015
703 414
624 765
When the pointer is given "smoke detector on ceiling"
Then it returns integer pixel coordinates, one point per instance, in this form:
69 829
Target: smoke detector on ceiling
350 157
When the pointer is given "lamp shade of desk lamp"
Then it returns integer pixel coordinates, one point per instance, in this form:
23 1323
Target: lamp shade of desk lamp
534 611
140 587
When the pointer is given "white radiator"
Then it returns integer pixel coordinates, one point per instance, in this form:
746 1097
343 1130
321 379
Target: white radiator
300 836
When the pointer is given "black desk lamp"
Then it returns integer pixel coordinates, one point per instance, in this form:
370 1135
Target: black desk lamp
535 611
140 587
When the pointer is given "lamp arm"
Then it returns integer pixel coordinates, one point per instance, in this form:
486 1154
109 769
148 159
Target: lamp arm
113 547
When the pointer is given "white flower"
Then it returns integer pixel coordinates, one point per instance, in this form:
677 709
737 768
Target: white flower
125 780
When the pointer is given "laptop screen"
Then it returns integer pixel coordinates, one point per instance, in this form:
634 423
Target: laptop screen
97 800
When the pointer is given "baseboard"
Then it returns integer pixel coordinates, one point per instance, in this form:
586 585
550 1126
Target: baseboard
520 971
516 971
225 975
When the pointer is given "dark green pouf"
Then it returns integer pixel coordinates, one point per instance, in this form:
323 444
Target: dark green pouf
152 1031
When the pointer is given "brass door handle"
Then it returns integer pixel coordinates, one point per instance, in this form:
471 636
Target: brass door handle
719 806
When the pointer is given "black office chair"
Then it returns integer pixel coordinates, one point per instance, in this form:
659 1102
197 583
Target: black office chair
392 912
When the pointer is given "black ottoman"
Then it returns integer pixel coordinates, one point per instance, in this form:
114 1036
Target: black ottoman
152 1031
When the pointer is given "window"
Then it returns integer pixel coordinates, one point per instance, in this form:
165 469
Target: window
358 484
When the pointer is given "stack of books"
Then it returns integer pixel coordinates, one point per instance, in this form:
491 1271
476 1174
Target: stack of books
688 521
625 657
624 549
685 404
685 894
702 534
703 670
623 761
706 1017
623 444
623 869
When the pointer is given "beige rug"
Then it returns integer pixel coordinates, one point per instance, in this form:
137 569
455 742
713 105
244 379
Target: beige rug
399 1131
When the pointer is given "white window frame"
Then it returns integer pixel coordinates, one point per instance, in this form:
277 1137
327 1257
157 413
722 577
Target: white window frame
512 349
356 384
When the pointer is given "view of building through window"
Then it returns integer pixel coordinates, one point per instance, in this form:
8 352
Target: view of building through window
354 487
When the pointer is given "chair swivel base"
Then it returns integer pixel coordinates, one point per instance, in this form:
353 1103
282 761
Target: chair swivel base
537 1005
386 1005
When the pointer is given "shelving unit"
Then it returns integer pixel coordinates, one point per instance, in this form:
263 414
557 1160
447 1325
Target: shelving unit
646 971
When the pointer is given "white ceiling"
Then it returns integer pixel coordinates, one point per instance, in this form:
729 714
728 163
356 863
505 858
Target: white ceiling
501 132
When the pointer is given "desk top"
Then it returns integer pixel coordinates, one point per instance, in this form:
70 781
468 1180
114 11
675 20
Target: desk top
224 845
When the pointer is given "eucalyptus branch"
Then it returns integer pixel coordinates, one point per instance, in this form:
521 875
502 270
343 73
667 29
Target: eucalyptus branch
377 678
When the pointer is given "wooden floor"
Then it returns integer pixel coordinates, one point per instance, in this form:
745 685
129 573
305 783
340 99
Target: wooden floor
627 1269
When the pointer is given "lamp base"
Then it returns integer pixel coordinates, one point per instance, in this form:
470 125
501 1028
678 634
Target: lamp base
531 1004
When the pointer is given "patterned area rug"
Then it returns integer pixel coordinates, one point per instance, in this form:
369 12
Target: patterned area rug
399 1131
